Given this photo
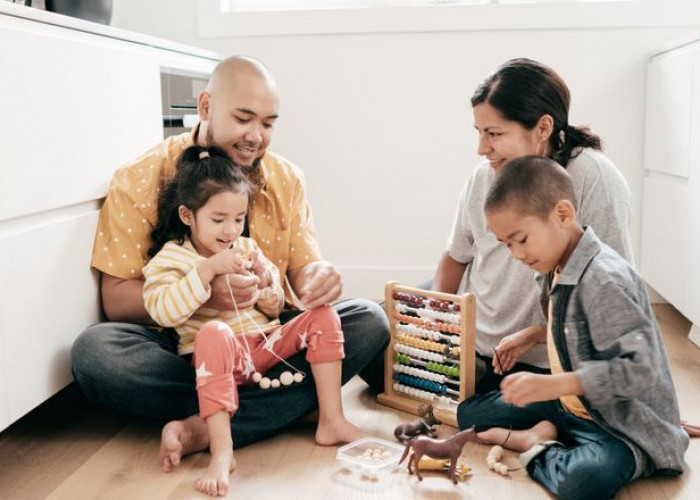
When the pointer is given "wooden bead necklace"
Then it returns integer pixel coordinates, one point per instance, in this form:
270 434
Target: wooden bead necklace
286 377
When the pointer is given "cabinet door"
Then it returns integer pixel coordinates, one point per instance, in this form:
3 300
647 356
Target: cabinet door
668 113
48 296
671 197
74 108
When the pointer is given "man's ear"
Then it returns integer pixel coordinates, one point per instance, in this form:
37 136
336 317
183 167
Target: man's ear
566 212
185 215
204 105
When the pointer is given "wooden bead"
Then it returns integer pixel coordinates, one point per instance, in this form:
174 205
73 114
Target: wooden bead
286 378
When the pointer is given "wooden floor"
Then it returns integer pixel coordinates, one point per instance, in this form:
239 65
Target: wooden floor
71 449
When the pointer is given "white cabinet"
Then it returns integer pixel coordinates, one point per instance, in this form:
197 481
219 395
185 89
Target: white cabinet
49 296
76 103
671 198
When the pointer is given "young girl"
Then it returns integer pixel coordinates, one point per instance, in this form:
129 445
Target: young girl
201 215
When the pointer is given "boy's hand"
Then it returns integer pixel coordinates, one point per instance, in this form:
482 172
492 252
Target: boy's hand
523 388
511 348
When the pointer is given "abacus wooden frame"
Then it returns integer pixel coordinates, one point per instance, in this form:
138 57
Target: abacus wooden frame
467 328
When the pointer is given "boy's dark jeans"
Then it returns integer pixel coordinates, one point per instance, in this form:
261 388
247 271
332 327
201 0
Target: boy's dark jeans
589 462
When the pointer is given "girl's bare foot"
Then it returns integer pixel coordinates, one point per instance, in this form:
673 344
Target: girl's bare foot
180 438
336 431
214 482
520 441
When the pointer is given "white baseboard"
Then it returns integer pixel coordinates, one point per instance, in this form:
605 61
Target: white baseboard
369 282
654 296
694 335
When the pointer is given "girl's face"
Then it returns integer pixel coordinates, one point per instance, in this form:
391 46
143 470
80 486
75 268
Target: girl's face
217 224
501 140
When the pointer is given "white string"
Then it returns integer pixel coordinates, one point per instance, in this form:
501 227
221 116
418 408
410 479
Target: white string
250 356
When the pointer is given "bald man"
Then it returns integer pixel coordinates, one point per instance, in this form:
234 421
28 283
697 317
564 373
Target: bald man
132 365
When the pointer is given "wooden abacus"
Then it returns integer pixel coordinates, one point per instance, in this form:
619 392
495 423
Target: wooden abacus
430 357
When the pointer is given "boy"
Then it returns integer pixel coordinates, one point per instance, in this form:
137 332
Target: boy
608 412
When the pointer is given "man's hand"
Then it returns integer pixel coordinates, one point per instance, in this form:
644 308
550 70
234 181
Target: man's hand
523 388
317 284
244 288
511 348
259 270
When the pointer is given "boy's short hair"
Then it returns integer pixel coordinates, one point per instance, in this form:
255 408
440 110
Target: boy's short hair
530 185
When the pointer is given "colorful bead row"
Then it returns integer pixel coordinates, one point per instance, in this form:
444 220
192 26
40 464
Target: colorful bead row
414 331
428 345
424 384
428 313
423 354
417 372
427 324
443 305
450 371
420 383
435 304
419 394
409 299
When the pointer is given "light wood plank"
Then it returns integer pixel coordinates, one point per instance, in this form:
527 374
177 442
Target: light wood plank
72 449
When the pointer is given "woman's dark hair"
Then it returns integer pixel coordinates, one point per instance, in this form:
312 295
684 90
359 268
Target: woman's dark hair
523 90
200 173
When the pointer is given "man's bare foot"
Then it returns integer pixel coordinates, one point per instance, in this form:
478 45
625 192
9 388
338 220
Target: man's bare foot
214 482
336 431
180 438
520 441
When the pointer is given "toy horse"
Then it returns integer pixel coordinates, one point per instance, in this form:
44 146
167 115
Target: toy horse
405 432
437 448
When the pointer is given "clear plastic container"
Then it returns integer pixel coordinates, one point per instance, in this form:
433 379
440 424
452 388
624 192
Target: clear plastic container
370 456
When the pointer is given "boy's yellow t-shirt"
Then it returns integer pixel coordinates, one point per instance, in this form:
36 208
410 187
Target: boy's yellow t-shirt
571 403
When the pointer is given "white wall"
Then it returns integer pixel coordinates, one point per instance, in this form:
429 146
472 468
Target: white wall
382 126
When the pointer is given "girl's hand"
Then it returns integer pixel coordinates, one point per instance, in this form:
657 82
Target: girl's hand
227 262
511 348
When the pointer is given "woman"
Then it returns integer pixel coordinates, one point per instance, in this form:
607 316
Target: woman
523 109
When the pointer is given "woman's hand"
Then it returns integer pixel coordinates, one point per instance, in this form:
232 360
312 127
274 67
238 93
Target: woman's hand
511 348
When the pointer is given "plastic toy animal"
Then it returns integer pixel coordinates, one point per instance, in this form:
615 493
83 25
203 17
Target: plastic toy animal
405 432
437 448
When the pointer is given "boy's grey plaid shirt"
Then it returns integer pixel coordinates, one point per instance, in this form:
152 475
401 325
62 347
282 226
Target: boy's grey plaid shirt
605 331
